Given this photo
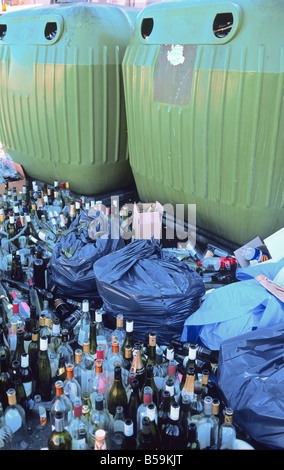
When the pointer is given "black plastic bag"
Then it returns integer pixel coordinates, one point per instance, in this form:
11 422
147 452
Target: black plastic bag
71 265
150 286
251 377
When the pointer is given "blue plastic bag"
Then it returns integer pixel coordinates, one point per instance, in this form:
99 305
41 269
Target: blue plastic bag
151 287
236 309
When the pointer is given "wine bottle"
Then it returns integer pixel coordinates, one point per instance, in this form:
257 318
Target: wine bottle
93 339
60 438
129 441
43 374
227 432
117 394
100 440
15 418
128 340
192 441
79 428
150 382
99 419
71 386
137 366
38 414
17 384
60 402
85 321
6 434
118 428
173 437
33 351
5 379
151 350
164 410
27 379
4 348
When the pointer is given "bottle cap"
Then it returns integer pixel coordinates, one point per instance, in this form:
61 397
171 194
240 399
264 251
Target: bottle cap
77 409
152 339
147 395
59 388
174 412
86 347
100 435
129 326
99 366
128 427
207 405
78 356
69 371
99 402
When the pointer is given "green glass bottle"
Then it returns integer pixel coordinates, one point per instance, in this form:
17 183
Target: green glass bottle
20 348
4 348
43 375
128 339
5 379
117 394
150 382
192 441
33 351
93 339
60 438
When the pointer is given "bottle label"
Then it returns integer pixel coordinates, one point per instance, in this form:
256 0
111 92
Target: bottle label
42 235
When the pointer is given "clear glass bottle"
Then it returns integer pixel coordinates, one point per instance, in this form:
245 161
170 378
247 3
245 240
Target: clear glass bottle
84 330
99 383
88 362
86 405
64 349
227 432
118 428
15 418
38 414
99 419
27 379
60 438
79 428
119 332
71 386
6 434
78 365
61 402
101 332
142 409
206 426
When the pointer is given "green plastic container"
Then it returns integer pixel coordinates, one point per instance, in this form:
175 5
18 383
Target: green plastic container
204 97
62 108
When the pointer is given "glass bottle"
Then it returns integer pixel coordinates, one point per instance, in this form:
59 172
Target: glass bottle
43 374
33 351
129 440
86 405
190 360
127 357
60 402
60 438
134 403
145 440
192 441
118 428
173 437
38 414
99 419
47 328
164 410
152 414
100 331
4 348
93 339
71 386
17 384
227 432
15 418
55 338
61 370
27 378
78 365
117 395
27 335
6 434
88 362
151 350
142 409
64 349
20 349
84 330
173 376
5 380
115 356
99 383
128 339
79 428
137 366
150 382
119 331
207 429
100 440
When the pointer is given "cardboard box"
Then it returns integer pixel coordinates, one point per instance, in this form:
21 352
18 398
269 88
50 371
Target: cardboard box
147 220
255 243
15 167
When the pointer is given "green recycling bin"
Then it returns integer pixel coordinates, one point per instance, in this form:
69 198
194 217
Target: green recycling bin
203 87
62 107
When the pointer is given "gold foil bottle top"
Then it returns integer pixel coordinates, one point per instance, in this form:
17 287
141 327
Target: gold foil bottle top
59 388
205 377
115 346
189 381
119 321
228 416
42 320
11 394
215 406
128 352
152 339
78 356
86 347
